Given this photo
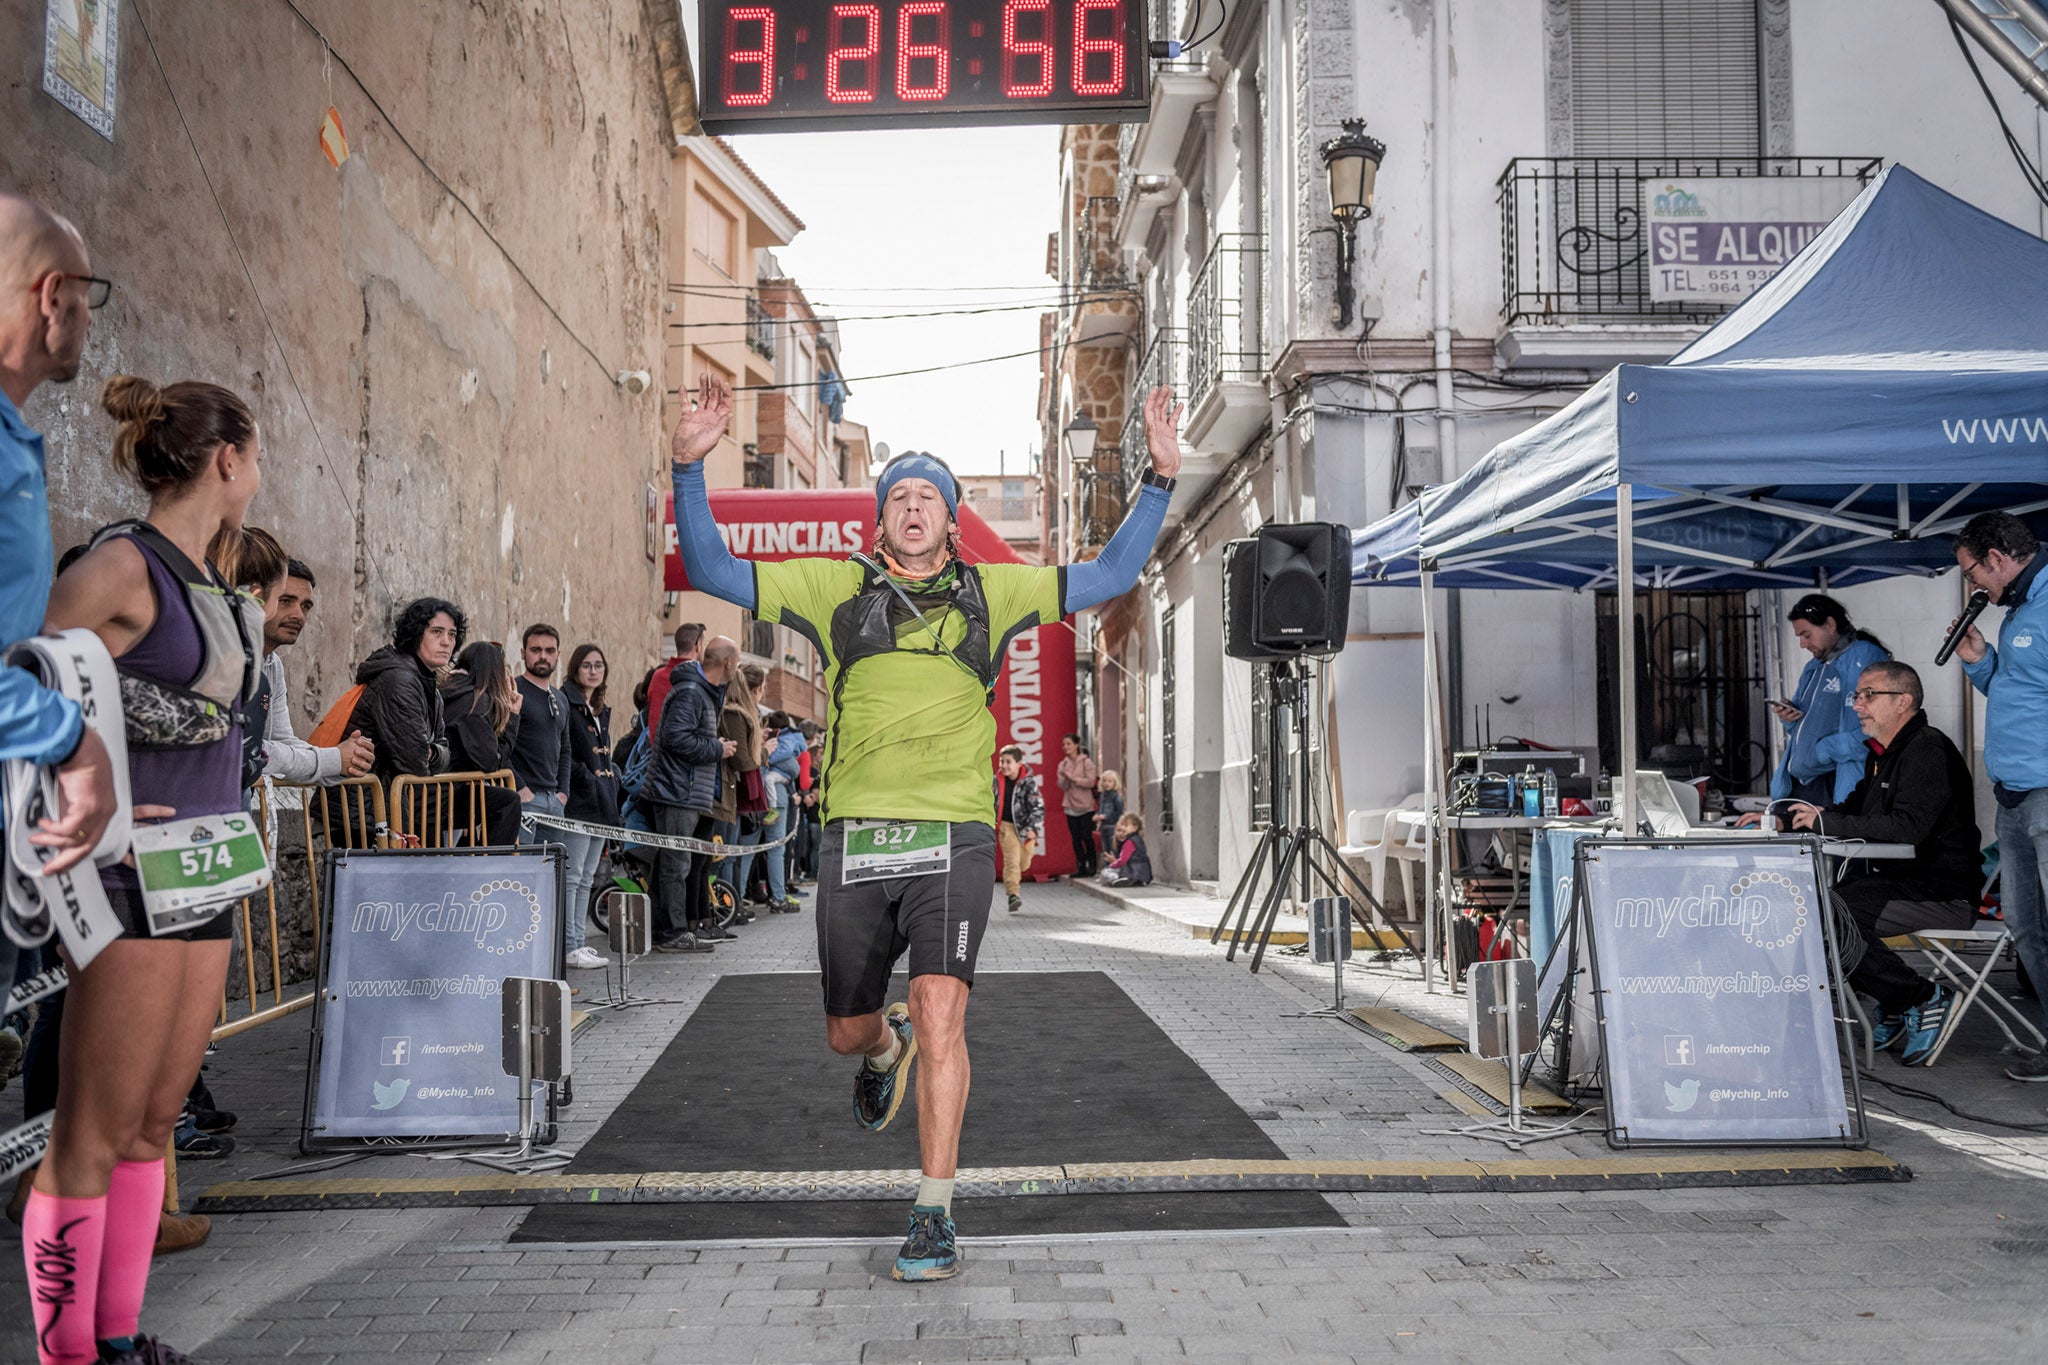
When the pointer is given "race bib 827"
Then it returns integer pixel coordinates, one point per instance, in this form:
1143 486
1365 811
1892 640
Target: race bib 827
895 848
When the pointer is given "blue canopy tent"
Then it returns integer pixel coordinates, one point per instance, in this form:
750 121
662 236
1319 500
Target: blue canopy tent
1839 426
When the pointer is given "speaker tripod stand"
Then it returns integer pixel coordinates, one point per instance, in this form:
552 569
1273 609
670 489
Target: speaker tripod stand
1294 848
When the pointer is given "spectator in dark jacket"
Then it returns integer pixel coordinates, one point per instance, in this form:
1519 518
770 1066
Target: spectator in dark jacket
681 787
737 816
480 717
400 709
1020 820
593 790
540 754
1916 790
1109 808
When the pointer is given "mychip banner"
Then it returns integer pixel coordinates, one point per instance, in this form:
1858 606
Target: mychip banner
407 1030
1711 965
1717 239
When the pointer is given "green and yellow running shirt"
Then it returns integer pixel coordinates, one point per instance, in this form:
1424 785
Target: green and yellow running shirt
911 736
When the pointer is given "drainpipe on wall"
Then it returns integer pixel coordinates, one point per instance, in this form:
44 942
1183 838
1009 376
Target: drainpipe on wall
1440 273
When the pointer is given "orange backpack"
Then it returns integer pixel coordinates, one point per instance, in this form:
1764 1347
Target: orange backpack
333 727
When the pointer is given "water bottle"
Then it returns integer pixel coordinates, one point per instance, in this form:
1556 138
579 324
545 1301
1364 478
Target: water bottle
1549 793
1532 792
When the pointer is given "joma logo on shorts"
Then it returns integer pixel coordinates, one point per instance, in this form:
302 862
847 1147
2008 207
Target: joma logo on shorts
960 947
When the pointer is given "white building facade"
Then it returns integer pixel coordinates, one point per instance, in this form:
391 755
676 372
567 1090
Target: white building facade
1501 272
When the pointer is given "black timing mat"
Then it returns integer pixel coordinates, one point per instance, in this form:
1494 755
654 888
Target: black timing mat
1066 1069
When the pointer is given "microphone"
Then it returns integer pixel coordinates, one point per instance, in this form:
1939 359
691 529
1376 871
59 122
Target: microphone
1979 600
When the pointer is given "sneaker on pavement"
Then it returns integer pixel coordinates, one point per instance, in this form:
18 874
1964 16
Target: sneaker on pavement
684 942
177 1232
1887 1031
931 1252
1016 903
144 1351
584 958
194 1145
711 933
877 1095
11 1048
2034 1068
792 904
1925 1023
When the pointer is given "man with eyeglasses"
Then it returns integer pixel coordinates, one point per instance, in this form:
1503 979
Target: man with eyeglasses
47 295
1916 790
1999 554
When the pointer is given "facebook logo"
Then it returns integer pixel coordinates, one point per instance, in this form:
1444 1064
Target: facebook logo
1678 1050
395 1052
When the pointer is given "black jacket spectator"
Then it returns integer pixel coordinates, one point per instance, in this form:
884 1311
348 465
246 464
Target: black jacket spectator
593 781
400 713
684 769
472 747
1918 792
541 757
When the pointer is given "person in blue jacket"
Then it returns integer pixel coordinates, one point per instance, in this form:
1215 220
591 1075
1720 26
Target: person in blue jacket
1824 749
2000 555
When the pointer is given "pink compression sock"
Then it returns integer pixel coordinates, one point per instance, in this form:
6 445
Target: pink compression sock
60 1242
135 1204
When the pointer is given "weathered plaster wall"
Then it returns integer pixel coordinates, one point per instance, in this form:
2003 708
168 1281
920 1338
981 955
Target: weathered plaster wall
432 418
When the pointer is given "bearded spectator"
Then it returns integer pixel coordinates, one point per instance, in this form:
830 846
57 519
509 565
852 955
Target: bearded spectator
541 759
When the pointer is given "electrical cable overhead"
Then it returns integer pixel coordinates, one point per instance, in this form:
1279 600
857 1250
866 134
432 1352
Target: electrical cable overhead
262 309
926 369
928 313
2036 181
609 371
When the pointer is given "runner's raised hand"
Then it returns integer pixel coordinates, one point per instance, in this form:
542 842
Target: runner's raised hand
703 422
1162 431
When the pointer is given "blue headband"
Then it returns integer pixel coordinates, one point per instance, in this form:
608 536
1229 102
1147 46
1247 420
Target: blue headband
918 466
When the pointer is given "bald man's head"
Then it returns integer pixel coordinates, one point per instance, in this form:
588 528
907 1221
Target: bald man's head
43 314
721 656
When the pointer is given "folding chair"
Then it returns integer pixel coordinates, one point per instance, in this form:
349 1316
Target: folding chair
1973 984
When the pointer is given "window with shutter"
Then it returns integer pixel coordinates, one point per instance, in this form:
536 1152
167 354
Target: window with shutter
1665 78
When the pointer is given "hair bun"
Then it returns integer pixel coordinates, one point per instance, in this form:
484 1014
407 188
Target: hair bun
131 399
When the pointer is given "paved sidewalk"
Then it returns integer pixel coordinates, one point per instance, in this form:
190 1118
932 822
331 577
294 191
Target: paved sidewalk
1938 1268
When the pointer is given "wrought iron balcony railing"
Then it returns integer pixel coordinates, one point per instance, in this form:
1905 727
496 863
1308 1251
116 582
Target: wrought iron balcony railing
1224 316
1572 240
760 328
1164 362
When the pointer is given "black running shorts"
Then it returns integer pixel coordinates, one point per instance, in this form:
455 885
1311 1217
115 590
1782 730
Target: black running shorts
865 927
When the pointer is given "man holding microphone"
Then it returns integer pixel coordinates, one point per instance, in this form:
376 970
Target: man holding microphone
2000 556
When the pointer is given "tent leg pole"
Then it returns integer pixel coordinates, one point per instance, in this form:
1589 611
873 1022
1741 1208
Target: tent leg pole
1625 591
1432 789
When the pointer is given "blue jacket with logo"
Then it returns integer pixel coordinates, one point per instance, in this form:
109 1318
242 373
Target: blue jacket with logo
35 723
2013 676
1827 738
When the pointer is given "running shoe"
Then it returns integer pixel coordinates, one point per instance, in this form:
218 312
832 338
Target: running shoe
1887 1032
584 958
194 1145
213 1120
2034 1068
143 1351
877 1095
1016 904
1925 1023
930 1252
708 932
684 942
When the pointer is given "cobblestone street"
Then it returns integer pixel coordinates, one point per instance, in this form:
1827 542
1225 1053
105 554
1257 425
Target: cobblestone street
1929 1269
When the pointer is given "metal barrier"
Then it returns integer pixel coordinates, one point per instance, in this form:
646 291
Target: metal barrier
422 817
349 813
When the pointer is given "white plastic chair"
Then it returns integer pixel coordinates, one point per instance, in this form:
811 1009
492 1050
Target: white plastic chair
1371 837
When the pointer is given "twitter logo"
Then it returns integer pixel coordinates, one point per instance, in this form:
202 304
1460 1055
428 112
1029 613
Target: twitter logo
1677 1098
388 1095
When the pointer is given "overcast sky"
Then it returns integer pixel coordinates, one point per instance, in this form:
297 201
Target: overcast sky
900 222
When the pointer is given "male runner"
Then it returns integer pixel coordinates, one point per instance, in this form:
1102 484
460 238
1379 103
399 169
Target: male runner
911 645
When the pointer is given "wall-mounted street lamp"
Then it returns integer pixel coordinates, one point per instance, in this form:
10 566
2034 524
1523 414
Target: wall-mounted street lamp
1352 162
1080 436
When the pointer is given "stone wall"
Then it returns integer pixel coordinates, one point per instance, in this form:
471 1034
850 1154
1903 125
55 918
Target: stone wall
428 333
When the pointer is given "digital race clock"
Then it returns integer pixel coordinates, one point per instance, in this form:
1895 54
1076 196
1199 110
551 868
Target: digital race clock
791 65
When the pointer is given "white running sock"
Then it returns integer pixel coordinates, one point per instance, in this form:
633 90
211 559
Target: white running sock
888 1059
933 1193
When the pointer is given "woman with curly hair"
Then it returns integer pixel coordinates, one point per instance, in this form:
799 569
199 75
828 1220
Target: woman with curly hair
400 708
138 1017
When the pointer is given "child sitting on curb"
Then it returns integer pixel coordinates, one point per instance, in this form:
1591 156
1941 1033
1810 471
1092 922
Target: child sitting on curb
1131 866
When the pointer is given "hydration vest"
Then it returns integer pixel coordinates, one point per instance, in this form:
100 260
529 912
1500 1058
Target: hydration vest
867 624
162 715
